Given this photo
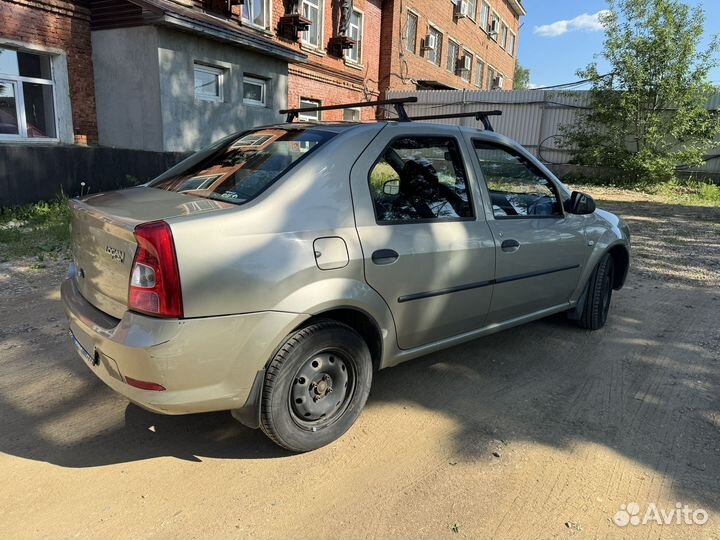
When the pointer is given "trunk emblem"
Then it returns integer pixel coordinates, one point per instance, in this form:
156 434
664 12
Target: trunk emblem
115 254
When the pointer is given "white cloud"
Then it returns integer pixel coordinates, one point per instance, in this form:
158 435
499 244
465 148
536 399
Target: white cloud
584 22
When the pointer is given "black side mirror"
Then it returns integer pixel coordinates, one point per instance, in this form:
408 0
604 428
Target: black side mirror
580 204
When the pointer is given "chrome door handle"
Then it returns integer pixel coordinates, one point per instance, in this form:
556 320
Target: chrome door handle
385 256
509 246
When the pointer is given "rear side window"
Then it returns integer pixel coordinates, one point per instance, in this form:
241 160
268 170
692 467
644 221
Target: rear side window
239 168
420 179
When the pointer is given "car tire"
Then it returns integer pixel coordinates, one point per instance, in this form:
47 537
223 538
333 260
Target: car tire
599 293
315 386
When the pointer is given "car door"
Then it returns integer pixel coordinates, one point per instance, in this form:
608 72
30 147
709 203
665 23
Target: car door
428 250
540 248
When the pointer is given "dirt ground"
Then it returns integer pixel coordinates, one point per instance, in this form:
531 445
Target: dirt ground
543 431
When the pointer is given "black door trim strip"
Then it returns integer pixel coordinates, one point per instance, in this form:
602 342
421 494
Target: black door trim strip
480 284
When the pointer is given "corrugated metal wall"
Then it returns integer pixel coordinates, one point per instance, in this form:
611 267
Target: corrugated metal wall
531 117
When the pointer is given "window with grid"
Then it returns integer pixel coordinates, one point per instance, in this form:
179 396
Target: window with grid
411 32
435 54
472 5
452 55
466 74
485 16
479 73
511 44
503 35
27 96
313 10
356 32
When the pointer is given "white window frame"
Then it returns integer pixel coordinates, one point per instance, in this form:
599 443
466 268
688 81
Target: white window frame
258 82
503 34
267 8
494 15
457 53
358 110
480 72
473 10
411 13
16 81
361 38
433 28
320 5
468 52
213 70
485 27
511 50
316 116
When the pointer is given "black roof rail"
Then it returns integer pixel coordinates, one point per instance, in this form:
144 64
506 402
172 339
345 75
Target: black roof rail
478 115
398 103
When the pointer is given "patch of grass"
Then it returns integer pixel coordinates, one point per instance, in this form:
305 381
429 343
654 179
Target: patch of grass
37 230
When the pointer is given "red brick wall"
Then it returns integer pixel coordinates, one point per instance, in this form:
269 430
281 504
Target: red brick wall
327 78
66 26
401 68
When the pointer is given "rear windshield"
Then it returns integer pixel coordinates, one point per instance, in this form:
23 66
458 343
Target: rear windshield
238 168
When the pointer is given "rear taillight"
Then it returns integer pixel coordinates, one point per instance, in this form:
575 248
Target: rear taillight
155 279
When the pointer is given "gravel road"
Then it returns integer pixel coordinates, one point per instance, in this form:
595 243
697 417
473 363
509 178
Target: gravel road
541 431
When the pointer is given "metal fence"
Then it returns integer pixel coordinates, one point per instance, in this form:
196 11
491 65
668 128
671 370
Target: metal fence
531 117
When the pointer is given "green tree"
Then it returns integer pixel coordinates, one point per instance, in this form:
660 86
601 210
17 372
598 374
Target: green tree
649 115
521 80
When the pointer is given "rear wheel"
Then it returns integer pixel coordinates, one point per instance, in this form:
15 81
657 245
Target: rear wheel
599 293
316 386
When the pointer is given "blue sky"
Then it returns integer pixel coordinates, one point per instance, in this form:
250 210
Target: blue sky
560 36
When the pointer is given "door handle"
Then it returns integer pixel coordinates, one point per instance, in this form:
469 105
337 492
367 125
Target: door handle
385 256
509 246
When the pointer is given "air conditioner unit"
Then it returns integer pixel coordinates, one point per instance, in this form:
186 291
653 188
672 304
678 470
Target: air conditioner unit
430 42
463 65
493 27
497 83
462 9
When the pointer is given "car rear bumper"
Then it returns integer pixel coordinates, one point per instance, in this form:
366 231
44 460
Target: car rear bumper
204 365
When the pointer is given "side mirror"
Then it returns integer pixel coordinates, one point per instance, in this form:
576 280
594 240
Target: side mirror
580 204
391 187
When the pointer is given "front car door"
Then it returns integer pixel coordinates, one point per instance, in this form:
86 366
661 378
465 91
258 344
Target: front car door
541 250
427 246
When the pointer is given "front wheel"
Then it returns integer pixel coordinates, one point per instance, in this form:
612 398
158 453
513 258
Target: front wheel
315 386
599 293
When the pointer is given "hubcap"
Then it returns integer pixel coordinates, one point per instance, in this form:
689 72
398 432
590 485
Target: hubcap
321 389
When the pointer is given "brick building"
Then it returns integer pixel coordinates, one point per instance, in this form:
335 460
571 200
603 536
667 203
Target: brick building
47 91
449 44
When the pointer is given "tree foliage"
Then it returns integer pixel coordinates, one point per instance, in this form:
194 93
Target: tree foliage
521 80
649 115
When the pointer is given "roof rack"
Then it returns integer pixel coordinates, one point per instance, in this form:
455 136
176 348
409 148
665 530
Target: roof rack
398 103
478 115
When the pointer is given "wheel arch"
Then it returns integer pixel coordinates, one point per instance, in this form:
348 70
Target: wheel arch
621 264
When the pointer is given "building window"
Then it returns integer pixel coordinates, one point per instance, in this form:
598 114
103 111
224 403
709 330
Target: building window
485 16
355 28
411 32
472 8
466 64
351 115
434 46
309 116
503 35
510 48
494 27
452 57
208 83
255 12
27 96
313 10
479 73
254 91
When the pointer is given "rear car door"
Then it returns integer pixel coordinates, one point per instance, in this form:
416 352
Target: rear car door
540 248
428 250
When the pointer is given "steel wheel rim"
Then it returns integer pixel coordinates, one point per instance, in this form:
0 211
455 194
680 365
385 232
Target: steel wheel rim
322 389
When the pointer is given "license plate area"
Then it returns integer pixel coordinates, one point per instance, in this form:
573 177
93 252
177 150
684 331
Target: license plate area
90 359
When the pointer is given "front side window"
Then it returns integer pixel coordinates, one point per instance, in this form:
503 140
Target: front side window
309 116
356 33
254 91
208 83
517 187
418 179
239 168
27 96
411 32
313 10
452 57
434 53
255 12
